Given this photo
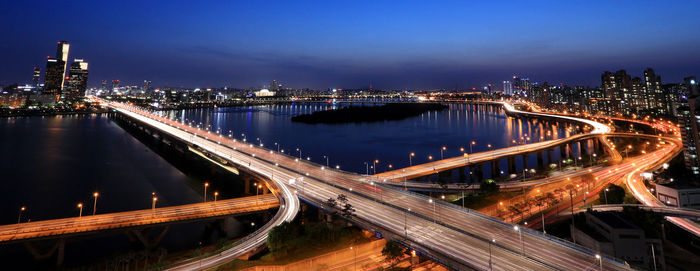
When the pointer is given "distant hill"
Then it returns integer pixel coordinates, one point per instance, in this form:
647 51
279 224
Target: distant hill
387 112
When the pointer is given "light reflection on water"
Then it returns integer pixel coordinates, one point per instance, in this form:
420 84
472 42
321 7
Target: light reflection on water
351 145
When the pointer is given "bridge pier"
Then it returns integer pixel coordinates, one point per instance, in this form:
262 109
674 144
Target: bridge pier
511 165
549 156
494 168
462 174
540 159
525 161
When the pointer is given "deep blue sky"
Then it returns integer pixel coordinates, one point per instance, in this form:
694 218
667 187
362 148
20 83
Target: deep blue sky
347 44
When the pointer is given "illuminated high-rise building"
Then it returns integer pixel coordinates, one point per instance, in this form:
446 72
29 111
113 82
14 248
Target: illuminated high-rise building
146 85
115 85
77 82
507 88
62 54
35 77
53 77
104 84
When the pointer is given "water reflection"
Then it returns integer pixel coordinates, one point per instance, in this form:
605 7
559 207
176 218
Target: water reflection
351 145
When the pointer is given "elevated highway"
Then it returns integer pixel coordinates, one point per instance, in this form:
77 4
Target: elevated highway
65 227
456 237
596 130
664 210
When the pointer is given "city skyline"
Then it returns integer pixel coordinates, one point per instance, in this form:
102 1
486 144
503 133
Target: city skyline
331 45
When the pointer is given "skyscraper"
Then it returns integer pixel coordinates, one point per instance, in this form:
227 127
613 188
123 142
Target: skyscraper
507 88
115 84
77 82
62 54
146 85
35 77
104 84
53 78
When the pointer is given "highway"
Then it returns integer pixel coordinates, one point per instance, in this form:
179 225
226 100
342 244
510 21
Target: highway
636 185
665 210
139 218
446 231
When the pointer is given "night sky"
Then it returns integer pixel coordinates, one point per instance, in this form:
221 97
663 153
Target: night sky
348 44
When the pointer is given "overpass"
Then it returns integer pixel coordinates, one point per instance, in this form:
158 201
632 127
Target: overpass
514 185
456 237
475 161
140 218
664 210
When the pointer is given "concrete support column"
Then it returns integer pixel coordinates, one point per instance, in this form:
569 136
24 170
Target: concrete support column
540 159
511 165
549 156
494 168
246 189
524 160
462 174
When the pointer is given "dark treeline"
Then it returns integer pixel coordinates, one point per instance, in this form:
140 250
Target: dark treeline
391 111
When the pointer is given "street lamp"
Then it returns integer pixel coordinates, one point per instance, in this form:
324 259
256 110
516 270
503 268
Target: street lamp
94 207
80 213
366 168
153 206
441 152
216 194
326 160
606 195
405 222
597 256
470 147
493 241
410 161
21 210
434 211
374 166
205 191
520 233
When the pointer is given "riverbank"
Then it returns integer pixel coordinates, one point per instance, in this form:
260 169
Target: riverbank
387 112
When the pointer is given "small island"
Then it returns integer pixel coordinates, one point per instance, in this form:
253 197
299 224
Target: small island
387 112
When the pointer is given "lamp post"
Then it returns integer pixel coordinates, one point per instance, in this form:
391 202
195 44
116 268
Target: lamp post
441 152
205 191
434 211
299 150
153 206
470 146
520 233
405 223
21 210
366 168
80 213
326 160
490 262
94 207
216 194
597 256
606 195
374 166
410 159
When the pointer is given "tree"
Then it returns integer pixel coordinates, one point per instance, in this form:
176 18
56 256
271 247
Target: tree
488 186
392 251
615 194
278 239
